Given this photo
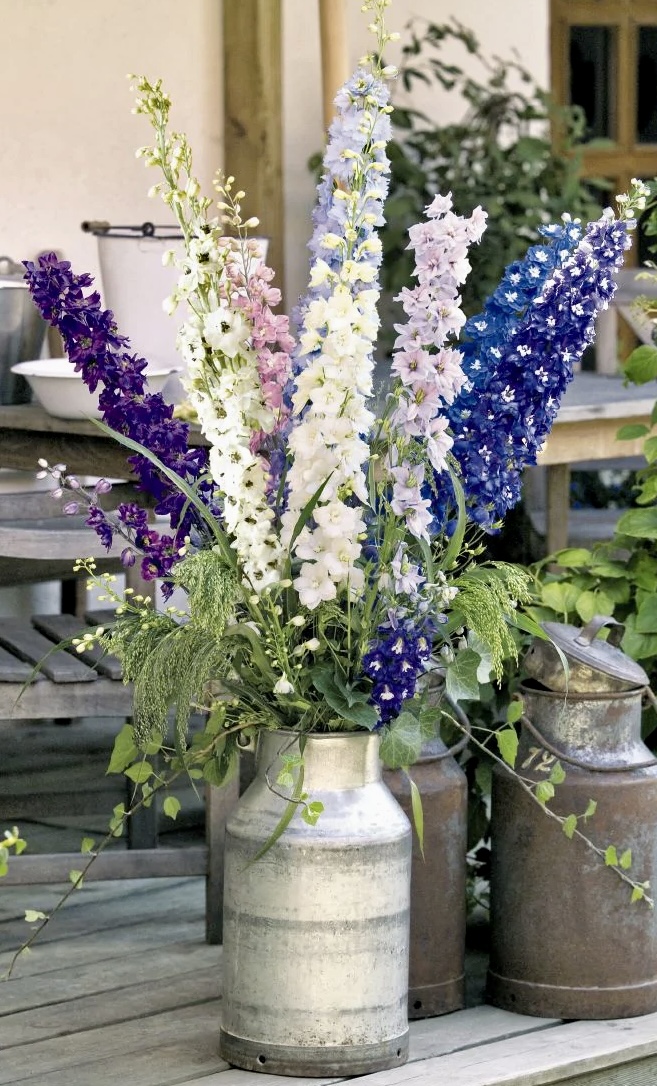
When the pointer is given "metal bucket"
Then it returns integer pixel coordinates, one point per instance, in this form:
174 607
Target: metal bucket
22 331
565 940
316 931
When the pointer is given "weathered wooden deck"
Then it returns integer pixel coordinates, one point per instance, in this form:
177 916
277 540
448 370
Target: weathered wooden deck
122 988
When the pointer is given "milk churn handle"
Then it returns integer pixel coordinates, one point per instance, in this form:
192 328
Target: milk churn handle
589 632
568 758
457 747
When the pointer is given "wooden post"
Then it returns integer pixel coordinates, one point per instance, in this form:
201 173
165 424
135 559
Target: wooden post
252 114
334 50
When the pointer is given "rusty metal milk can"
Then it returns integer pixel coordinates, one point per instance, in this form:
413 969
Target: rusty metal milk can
438 879
565 940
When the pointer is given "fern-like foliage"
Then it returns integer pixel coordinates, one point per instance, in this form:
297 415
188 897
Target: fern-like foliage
487 599
212 590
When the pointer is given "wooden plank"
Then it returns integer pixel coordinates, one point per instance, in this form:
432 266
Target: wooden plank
28 644
194 1024
119 864
64 984
65 628
533 1059
99 947
253 134
106 1008
48 701
165 1065
14 670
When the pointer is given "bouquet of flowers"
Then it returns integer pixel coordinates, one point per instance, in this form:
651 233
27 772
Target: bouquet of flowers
328 543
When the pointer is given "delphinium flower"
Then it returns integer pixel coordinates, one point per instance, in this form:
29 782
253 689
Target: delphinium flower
502 417
236 350
338 326
102 356
428 370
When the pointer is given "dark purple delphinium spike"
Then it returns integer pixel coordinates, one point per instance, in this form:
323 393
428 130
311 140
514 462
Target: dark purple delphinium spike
100 354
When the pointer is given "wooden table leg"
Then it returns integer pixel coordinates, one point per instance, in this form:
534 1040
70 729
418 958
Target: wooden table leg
558 506
219 803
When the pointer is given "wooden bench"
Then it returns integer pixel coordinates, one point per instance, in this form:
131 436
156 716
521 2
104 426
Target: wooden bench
75 686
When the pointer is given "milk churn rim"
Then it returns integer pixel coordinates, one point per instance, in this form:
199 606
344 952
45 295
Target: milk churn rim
583 645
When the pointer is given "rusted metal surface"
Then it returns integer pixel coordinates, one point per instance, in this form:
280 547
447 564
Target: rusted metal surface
565 940
438 899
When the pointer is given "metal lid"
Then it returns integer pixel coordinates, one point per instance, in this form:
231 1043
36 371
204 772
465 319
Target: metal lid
583 645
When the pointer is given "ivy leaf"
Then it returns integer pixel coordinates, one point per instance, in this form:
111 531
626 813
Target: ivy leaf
569 826
33 915
461 681
544 792
139 772
401 741
638 894
507 741
639 523
311 812
125 750
625 860
87 844
641 366
76 878
611 856
558 774
591 808
171 807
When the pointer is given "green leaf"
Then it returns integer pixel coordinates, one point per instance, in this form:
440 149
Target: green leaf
560 596
33 915
625 860
631 431
310 812
455 545
558 774
638 893
573 557
641 366
76 878
646 619
638 523
171 807
593 603
611 856
418 813
507 741
514 712
461 682
285 819
544 792
569 825
359 712
591 808
139 772
87 844
125 750
401 741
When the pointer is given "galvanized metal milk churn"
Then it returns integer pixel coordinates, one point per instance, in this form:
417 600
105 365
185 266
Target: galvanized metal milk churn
316 929
438 879
565 940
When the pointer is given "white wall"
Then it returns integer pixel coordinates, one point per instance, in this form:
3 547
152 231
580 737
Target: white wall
500 25
67 135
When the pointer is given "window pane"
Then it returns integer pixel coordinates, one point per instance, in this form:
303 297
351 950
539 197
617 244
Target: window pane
591 77
646 118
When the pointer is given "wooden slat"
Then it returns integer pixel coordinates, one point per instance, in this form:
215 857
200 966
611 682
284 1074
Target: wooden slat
119 864
20 638
63 985
95 1009
50 701
64 628
194 1023
13 670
